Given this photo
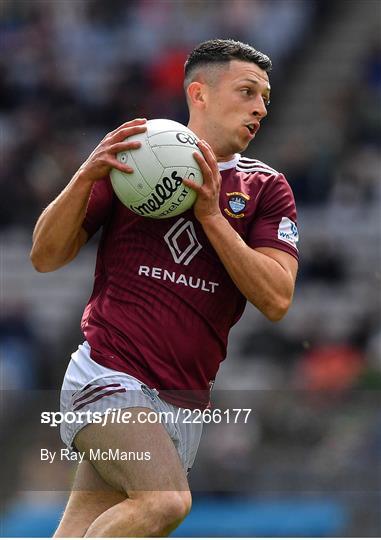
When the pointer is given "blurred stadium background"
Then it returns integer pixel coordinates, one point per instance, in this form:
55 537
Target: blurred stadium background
308 463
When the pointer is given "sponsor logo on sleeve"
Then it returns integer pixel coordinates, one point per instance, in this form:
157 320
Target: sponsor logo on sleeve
237 203
288 231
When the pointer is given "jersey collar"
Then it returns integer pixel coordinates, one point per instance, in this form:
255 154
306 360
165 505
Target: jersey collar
224 165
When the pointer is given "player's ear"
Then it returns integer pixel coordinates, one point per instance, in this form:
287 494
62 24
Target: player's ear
196 94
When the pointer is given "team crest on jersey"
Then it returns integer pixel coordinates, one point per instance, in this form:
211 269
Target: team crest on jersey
237 203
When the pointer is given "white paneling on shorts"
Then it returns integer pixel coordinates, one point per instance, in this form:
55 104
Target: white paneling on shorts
88 386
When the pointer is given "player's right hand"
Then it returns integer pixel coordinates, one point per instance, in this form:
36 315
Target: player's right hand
103 158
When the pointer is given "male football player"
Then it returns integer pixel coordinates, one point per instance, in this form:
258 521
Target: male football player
166 294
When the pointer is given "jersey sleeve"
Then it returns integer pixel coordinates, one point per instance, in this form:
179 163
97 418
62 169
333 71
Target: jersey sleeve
99 206
275 222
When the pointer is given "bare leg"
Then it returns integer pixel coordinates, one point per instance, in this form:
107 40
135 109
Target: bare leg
158 491
89 498
154 513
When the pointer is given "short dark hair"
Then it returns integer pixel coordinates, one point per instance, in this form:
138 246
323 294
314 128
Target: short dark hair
221 51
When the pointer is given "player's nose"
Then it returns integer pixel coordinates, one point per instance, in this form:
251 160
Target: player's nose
259 108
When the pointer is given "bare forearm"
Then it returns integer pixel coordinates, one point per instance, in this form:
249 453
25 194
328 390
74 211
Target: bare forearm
56 237
261 279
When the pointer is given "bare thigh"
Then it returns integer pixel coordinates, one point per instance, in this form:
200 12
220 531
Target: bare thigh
160 470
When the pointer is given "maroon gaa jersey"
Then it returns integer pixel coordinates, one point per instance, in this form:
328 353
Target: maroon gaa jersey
163 304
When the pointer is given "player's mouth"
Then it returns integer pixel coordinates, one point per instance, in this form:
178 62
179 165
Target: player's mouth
252 128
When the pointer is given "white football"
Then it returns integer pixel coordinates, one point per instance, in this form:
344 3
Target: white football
155 188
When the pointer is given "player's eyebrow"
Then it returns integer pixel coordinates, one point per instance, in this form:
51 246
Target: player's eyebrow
255 81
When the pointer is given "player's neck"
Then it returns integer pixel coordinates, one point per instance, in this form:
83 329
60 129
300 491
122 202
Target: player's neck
203 134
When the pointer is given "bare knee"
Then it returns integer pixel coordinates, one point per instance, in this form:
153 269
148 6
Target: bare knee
169 509
175 505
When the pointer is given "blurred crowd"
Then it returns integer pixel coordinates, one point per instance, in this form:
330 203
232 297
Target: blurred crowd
70 71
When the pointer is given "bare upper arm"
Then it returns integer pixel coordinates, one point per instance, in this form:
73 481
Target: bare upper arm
287 261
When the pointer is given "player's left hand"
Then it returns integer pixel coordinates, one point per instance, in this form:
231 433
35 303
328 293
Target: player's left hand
208 195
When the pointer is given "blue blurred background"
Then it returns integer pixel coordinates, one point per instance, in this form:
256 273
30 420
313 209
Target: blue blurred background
308 463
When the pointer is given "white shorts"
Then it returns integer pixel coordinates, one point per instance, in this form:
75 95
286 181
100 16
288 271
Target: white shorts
88 386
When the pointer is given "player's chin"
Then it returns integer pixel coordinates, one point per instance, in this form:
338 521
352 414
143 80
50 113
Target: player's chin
243 143
237 145
242 146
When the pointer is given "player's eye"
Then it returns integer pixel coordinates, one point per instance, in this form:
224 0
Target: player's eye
246 91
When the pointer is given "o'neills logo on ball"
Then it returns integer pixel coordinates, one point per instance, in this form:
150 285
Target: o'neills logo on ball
161 194
186 138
